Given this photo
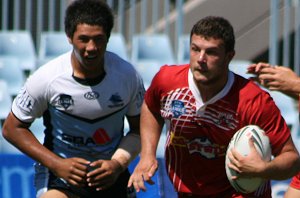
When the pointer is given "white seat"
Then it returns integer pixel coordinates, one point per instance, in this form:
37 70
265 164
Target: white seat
152 47
147 69
5 100
117 45
183 52
12 74
52 44
20 45
240 67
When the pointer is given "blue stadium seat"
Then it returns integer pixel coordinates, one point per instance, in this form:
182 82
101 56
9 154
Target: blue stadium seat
5 100
147 70
12 74
20 45
240 67
152 47
52 44
183 52
117 45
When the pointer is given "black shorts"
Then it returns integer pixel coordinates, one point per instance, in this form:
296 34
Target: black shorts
119 189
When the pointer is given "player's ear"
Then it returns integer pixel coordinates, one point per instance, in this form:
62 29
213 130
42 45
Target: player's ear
230 55
70 40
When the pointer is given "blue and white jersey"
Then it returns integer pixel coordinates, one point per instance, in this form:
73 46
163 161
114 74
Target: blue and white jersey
81 120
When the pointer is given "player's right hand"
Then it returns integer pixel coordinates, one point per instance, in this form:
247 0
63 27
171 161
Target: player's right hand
143 172
72 170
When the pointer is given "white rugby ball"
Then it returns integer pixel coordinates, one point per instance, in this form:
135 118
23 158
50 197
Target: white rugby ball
240 142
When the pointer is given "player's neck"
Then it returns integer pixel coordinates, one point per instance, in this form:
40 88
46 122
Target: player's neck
209 90
86 72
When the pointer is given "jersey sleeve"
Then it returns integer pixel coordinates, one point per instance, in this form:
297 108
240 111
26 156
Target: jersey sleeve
262 111
137 97
153 93
31 101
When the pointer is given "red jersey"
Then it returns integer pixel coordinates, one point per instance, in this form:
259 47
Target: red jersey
295 183
199 132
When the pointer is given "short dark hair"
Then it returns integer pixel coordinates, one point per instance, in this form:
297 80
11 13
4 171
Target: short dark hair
215 27
91 12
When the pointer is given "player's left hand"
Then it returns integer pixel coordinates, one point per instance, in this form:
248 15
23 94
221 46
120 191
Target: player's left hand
251 165
104 173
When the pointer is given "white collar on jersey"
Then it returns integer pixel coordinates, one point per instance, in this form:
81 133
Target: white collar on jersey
199 102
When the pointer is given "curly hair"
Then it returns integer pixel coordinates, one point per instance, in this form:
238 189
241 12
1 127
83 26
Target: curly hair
91 12
215 27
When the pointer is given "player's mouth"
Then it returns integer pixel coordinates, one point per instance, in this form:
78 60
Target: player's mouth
91 57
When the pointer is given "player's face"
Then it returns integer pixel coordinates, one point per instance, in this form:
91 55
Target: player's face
89 45
209 60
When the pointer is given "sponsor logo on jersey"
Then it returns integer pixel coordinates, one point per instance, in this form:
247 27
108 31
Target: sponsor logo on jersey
91 95
202 146
65 101
116 101
99 137
206 148
177 108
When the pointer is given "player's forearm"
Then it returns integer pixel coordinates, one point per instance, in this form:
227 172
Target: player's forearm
151 127
128 149
296 88
283 166
27 143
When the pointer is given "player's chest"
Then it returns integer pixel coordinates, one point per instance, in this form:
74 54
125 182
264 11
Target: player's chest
76 99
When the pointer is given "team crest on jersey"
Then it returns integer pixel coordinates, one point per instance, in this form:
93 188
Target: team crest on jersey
116 100
177 108
65 101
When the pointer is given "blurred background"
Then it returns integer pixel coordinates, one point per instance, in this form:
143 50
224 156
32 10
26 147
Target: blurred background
148 33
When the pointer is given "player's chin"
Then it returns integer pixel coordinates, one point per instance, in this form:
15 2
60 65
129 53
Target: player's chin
200 77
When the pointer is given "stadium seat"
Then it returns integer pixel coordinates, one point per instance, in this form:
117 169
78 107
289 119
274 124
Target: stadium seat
152 47
52 44
5 100
183 52
117 45
240 67
147 70
12 74
20 45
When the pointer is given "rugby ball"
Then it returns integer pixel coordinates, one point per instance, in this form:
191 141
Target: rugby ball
240 142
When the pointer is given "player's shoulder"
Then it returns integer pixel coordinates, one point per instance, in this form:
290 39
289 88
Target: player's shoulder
249 88
120 69
173 71
114 63
50 70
